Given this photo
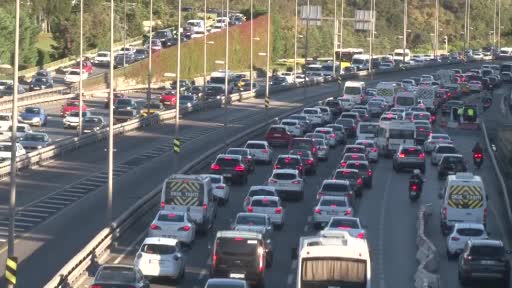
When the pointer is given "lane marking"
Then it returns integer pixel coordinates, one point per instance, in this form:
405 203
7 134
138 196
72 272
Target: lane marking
41 209
129 248
32 213
66 197
72 194
50 205
28 218
17 223
57 201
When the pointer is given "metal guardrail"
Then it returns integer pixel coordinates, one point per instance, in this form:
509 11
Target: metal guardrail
98 247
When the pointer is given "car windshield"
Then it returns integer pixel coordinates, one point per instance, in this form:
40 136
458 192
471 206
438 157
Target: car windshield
241 152
170 217
124 102
470 232
440 137
401 134
31 110
357 165
227 162
264 203
368 128
34 137
344 223
75 113
284 176
251 220
335 187
116 275
238 246
188 98
446 150
261 192
333 202
72 104
255 146
447 160
158 249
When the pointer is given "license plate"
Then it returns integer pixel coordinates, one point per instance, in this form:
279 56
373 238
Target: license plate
331 213
413 193
276 135
226 175
236 275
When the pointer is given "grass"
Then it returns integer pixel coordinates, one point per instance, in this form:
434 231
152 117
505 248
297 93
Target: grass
45 42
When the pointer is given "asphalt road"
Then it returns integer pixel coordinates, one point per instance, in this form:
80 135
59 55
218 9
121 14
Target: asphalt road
60 231
385 209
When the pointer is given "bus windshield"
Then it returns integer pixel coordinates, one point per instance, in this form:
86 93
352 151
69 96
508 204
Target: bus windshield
404 101
401 134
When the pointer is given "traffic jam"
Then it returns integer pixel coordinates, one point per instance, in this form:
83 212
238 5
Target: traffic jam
399 124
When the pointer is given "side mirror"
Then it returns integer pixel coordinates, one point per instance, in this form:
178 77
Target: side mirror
294 255
440 195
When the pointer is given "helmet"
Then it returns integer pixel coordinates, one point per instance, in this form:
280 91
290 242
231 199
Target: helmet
416 172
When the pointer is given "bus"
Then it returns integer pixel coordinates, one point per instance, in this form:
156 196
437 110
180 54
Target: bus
333 259
398 54
346 55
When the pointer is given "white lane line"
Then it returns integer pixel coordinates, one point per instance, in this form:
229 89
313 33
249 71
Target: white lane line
50 205
72 194
83 190
28 218
65 197
32 213
93 181
18 223
42 209
129 248
57 201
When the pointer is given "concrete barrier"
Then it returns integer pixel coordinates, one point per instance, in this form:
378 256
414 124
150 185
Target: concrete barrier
427 255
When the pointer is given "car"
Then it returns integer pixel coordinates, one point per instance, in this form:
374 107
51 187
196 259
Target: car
351 115
72 119
165 37
440 150
168 98
253 222
326 114
346 103
288 183
73 76
119 275
155 46
35 116
226 282
423 133
303 120
260 150
246 155
40 83
335 106
330 135
230 167
449 105
355 149
421 116
484 259
304 144
372 152
353 177
475 86
462 233
289 162
351 157
258 191
339 188
434 140
220 188
322 148
241 255
339 133
376 108
173 224
408 156
328 207
314 115
408 115
451 164
363 114
125 104
160 257
102 58
349 125
314 136
140 54
347 223
35 140
364 169
198 91
72 105
93 124
308 160
293 127
268 205
387 117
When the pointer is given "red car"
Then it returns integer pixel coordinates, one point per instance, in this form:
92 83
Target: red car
168 98
70 106
278 135
86 66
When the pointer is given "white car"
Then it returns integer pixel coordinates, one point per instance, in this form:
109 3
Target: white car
5 151
173 224
462 233
73 76
346 103
72 119
261 151
127 50
102 58
314 114
287 182
160 257
322 148
21 130
220 189
347 223
436 139
270 206
293 127
441 150
328 207
326 114
339 132
253 222
258 191
475 86
330 135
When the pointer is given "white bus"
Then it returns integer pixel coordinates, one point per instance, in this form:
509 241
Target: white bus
398 54
506 51
392 134
361 62
333 259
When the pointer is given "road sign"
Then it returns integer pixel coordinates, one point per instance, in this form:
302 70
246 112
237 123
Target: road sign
363 20
314 15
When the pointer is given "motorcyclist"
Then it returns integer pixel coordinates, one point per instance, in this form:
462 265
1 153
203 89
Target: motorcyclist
477 149
416 177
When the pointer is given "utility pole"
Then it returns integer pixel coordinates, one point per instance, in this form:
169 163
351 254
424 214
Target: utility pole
372 33
436 30
308 8
494 27
335 39
11 277
341 29
251 60
295 42
404 36
178 88
226 77
204 49
465 29
499 25
124 34
148 95
267 96
80 83
111 120
469 25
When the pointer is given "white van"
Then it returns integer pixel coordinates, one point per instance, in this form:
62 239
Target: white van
463 200
388 91
367 130
506 51
392 134
192 194
197 25
398 54
361 62
355 91
405 100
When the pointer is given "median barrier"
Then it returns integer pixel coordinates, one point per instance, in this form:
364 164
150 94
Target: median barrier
427 255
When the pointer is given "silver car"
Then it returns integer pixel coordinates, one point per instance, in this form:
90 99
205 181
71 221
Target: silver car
253 222
339 131
328 207
220 188
268 205
258 191
322 148
346 223
441 150
35 140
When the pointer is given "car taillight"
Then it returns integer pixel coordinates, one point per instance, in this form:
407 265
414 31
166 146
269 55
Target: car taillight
348 212
354 128
261 264
276 166
240 168
360 235
215 166
214 260
310 162
343 164
162 204
296 182
318 211
401 155
445 213
314 149
205 206
333 136
265 151
96 286
184 228
250 209
220 187
374 149
422 155
370 172
455 238
359 181
278 210
467 258
155 227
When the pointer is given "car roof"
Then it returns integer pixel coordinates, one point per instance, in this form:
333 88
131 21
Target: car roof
359 161
224 281
347 169
451 155
469 225
262 187
333 198
486 242
259 142
445 145
161 240
355 146
288 156
364 141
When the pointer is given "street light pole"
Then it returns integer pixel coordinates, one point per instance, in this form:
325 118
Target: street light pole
111 119
372 32
404 36
148 94
178 92
12 198
295 42
494 26
267 96
226 75
124 34
334 40
341 28
469 25
252 51
436 30
204 49
80 83
499 24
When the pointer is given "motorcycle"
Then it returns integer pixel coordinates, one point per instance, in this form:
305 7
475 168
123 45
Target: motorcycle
478 159
415 187
487 105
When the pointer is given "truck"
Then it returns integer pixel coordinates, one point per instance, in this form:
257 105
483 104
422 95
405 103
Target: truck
427 95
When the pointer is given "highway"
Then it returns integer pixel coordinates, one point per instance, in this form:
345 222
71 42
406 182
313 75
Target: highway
78 184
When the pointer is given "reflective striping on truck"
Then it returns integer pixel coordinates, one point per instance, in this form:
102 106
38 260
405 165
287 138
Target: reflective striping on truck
465 197
184 193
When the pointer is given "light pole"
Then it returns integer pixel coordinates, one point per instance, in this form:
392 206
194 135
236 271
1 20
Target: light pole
148 94
267 96
204 49
226 75
12 198
178 92
335 35
446 43
436 30
499 24
80 83
494 25
251 60
124 34
295 42
372 34
404 36
111 119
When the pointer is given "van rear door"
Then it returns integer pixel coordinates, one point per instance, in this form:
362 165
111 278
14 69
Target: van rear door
466 203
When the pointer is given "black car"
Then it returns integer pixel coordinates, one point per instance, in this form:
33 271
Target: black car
141 54
335 107
422 133
187 33
365 171
119 276
484 260
197 90
246 155
93 124
451 164
241 254
166 37
231 167
213 92
40 83
289 162
125 104
308 160
122 60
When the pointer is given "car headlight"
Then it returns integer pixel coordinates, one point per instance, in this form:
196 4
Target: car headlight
36 119
39 147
